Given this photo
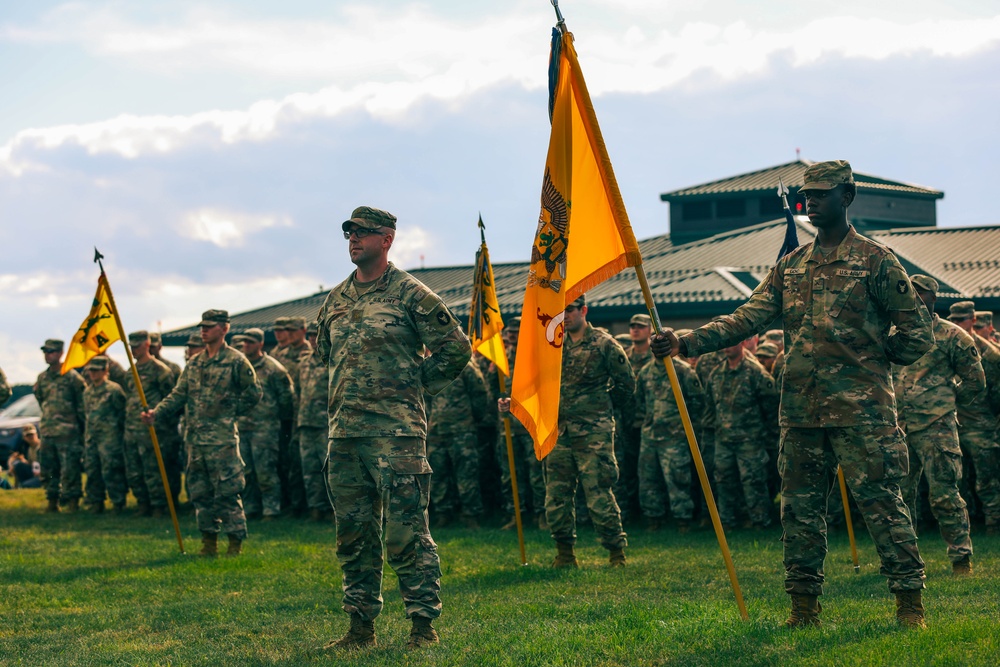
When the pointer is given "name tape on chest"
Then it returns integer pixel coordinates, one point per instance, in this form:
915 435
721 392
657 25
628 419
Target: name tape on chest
795 272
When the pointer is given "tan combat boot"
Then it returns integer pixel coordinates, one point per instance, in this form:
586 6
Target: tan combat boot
565 556
910 609
617 558
962 568
235 546
805 612
209 545
52 507
360 635
422 634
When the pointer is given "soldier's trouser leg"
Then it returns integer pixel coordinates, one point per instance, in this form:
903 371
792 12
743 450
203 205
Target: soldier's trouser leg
536 475
751 456
296 482
367 475
172 448
938 450
263 448
215 481
521 474
95 489
560 492
595 458
151 471
70 452
134 472
985 451
465 458
874 459
51 473
314 445
627 455
442 500
675 464
651 469
727 482
113 470
251 489
706 445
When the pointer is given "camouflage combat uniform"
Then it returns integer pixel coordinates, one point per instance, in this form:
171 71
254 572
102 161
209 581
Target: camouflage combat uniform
172 441
596 376
104 449
628 441
214 392
837 403
977 433
290 462
260 432
313 427
373 338
743 402
928 391
452 451
706 441
141 466
61 431
665 456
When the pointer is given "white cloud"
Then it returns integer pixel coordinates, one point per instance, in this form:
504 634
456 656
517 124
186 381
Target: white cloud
227 229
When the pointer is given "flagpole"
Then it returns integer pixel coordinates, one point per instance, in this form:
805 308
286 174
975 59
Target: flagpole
142 397
847 517
510 462
693 446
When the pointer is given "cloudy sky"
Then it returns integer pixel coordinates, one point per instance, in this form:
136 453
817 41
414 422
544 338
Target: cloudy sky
210 150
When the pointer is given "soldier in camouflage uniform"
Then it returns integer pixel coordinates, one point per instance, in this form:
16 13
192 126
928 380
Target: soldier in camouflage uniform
61 430
848 311
766 354
156 349
665 456
141 466
260 429
706 364
628 438
291 354
373 329
743 403
193 346
216 388
313 426
948 377
977 427
596 377
104 453
171 442
983 326
453 419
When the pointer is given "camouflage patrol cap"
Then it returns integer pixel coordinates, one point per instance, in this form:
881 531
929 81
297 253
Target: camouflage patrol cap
580 302
984 318
767 349
212 317
774 335
281 323
513 323
195 340
642 319
254 334
312 327
52 345
963 310
827 175
296 323
98 364
155 338
925 283
369 218
138 337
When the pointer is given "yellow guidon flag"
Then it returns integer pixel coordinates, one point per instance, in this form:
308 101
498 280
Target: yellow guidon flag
583 238
97 332
485 322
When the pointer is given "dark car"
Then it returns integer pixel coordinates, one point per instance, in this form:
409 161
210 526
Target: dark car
23 411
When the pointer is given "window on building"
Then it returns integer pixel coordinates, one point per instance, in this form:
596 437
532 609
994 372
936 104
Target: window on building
771 206
697 210
731 208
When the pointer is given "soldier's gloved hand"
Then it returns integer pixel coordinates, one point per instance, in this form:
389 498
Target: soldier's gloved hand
664 344
147 417
503 405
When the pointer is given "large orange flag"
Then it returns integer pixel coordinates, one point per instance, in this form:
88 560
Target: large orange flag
485 322
583 238
97 332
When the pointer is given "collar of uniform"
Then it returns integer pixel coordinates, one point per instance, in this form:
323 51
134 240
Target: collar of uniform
842 252
351 291
588 333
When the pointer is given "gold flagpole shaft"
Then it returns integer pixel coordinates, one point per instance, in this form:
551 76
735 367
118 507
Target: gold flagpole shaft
695 452
510 463
145 406
847 517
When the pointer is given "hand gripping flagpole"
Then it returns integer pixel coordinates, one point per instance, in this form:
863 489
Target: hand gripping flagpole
142 398
706 488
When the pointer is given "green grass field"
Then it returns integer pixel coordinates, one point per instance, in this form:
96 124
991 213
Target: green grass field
104 590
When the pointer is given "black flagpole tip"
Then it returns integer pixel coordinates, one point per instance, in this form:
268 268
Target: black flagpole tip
97 255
